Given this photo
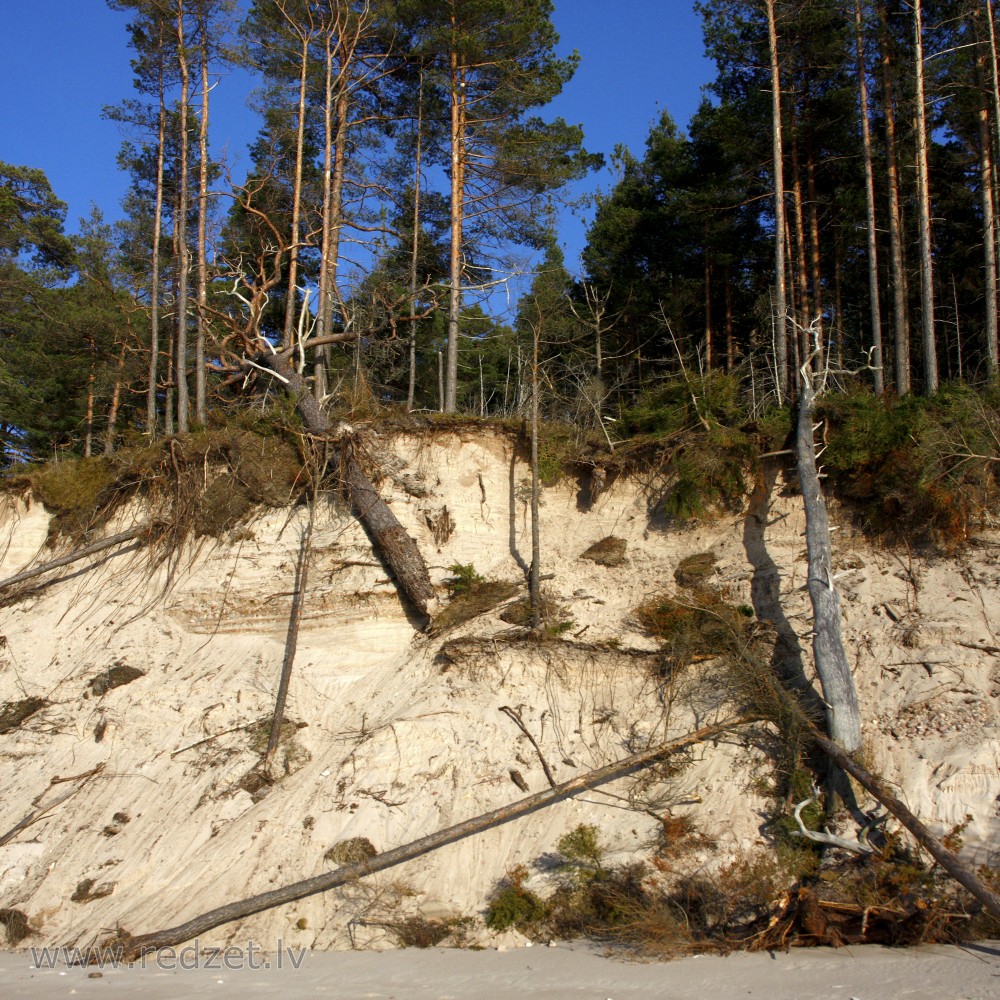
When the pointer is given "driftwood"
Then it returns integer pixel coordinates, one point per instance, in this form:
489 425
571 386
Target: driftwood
859 846
397 548
132 948
77 554
839 692
957 869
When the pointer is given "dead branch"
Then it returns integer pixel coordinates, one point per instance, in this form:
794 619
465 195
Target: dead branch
515 715
40 811
859 846
134 947
77 554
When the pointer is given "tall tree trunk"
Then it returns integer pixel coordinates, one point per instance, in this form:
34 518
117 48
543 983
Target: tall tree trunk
874 298
154 292
458 152
411 383
183 255
924 212
986 185
900 319
815 274
116 395
291 302
781 306
535 577
708 313
202 248
799 257
839 693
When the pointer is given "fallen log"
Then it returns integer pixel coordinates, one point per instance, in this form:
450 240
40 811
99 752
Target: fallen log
130 948
957 869
78 554
397 548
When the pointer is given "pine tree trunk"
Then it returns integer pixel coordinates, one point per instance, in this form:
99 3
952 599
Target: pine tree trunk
288 333
814 254
986 185
183 262
411 384
396 547
154 292
900 319
458 137
781 305
924 213
202 248
866 142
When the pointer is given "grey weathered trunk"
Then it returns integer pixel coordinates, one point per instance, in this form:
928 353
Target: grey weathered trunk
839 693
397 548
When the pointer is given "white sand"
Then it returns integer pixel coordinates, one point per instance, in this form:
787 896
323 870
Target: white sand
866 973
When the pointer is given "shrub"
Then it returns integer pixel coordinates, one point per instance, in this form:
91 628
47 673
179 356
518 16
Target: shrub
512 905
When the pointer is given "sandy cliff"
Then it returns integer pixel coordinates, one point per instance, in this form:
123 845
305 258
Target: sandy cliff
396 740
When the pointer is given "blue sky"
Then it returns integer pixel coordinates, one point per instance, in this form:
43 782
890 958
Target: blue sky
61 61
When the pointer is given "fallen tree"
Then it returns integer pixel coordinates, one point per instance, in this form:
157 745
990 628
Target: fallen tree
129 948
950 862
138 531
398 550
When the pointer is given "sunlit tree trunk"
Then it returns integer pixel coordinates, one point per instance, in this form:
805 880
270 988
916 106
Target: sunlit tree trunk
781 328
924 212
202 247
874 298
986 186
900 319
415 249
183 254
458 152
154 291
293 248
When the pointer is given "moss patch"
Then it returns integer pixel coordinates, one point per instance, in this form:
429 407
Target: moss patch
608 551
74 491
695 570
351 851
471 603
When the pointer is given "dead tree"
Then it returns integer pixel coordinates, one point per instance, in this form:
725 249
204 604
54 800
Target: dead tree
839 692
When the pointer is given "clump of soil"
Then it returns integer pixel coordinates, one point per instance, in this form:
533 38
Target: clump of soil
472 603
351 851
695 570
88 890
115 676
14 713
15 923
608 551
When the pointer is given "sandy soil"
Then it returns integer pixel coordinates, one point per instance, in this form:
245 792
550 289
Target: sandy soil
561 973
